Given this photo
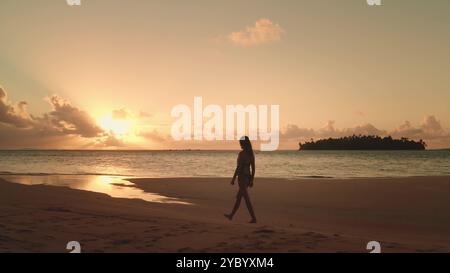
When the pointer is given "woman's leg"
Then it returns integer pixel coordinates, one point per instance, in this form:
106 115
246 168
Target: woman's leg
237 204
249 205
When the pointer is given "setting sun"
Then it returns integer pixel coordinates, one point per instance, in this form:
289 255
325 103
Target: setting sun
115 126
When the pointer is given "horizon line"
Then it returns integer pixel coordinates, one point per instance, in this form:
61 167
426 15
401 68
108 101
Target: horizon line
183 150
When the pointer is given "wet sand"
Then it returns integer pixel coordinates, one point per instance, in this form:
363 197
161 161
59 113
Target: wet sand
304 215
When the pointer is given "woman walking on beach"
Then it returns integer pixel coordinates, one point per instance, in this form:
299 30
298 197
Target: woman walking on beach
245 162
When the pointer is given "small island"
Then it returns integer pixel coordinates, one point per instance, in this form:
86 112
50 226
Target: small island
363 142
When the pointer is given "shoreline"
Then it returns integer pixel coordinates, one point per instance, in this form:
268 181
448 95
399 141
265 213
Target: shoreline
129 176
315 215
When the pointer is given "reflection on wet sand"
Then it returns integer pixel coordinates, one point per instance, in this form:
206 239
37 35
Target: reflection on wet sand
114 186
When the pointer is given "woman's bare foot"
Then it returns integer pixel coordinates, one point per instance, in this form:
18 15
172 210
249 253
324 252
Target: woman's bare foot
228 216
253 221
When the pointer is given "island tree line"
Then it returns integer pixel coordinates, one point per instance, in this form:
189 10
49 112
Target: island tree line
363 142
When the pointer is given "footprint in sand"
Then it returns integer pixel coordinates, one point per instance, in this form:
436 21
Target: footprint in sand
264 231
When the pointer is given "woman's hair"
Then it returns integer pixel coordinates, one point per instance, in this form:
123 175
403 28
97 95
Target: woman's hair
247 146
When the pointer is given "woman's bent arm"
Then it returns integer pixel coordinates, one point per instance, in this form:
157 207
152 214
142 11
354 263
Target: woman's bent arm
234 176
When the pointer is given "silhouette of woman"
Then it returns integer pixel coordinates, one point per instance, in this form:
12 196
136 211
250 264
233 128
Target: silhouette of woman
246 159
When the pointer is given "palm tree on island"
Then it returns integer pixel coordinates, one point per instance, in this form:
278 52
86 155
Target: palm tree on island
364 142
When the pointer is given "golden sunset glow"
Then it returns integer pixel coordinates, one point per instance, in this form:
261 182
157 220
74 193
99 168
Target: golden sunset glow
118 127
117 89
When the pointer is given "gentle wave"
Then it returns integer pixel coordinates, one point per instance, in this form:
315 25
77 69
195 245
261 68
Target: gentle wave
63 174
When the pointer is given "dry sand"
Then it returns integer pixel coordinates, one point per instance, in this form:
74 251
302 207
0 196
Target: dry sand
308 215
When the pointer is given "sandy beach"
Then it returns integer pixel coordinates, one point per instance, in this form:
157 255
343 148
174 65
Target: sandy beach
307 215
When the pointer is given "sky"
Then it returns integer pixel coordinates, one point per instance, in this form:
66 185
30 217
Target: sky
106 74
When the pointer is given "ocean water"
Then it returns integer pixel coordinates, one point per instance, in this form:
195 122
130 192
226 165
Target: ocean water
281 164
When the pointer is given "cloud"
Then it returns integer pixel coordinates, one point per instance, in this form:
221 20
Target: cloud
19 138
432 126
407 130
328 129
64 126
263 32
111 141
13 115
122 113
430 129
71 120
153 136
293 131
143 114
366 129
